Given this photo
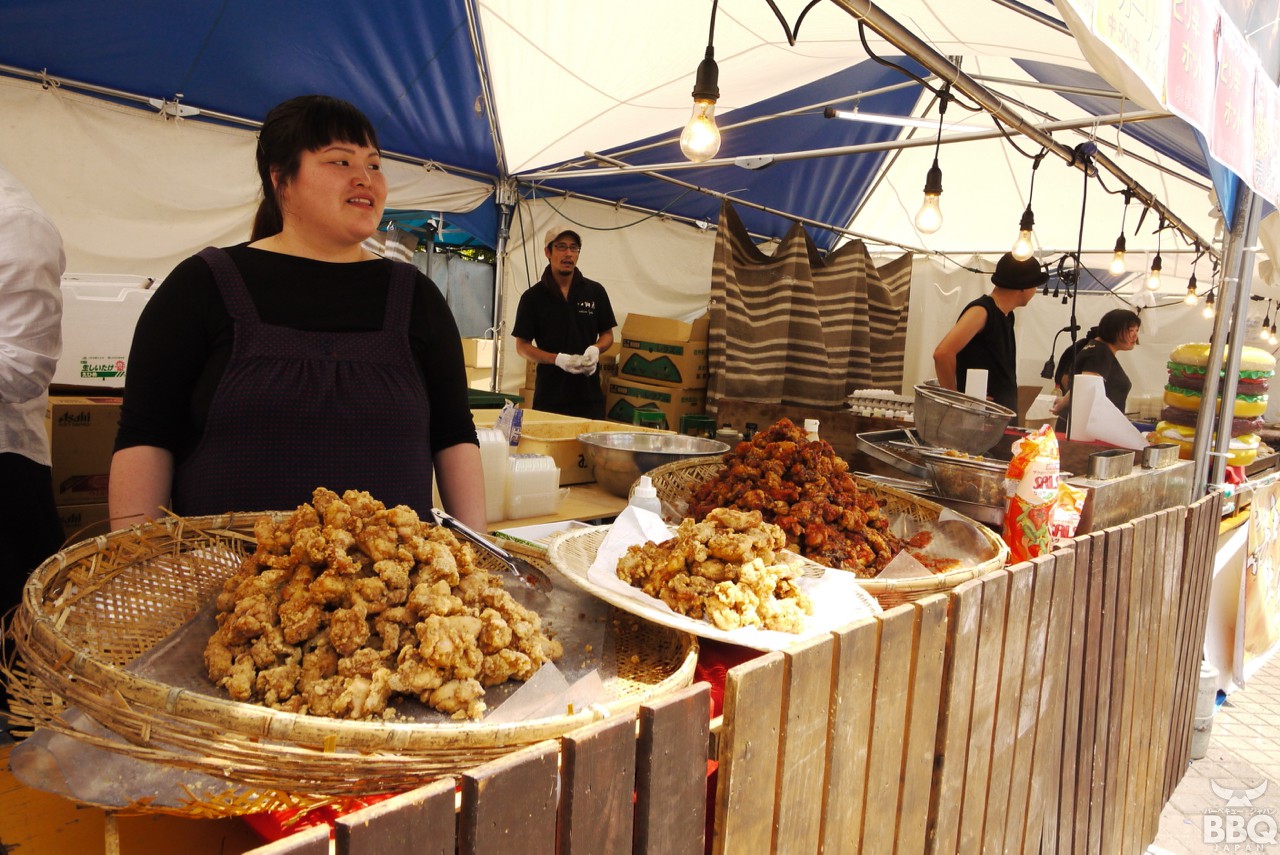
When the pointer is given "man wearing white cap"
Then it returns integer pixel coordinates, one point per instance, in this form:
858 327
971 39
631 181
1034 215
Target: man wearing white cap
563 323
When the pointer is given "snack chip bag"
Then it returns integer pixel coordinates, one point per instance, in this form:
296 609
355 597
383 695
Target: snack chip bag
1032 486
1067 508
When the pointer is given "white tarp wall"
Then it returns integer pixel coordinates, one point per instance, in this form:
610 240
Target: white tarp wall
136 195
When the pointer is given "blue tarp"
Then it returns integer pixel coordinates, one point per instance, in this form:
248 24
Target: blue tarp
413 68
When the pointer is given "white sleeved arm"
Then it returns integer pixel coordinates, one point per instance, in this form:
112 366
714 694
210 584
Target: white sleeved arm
31 267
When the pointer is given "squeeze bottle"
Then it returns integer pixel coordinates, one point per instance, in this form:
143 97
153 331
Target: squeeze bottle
645 495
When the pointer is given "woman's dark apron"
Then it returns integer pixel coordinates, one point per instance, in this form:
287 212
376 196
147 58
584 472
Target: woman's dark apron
296 410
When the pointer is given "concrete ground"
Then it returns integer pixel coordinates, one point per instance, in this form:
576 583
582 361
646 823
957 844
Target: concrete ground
1229 800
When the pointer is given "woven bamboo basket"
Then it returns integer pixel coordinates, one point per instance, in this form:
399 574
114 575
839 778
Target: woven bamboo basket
676 482
98 605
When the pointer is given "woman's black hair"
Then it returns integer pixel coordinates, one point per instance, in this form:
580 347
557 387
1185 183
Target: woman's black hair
300 124
1116 323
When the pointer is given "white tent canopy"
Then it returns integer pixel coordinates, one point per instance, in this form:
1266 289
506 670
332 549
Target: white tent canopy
486 91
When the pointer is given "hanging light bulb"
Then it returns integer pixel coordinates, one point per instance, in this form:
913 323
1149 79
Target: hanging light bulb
1117 266
1208 305
1153 278
929 217
701 138
1274 338
1192 299
1266 323
1022 247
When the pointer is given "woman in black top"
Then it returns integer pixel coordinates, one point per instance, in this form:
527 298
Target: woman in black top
1116 331
298 360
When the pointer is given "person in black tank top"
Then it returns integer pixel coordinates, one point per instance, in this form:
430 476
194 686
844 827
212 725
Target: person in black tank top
300 360
983 334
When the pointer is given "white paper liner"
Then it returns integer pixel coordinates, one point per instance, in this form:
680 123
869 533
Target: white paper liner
837 599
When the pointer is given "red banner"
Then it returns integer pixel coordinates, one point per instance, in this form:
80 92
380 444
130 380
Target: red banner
1231 139
1190 83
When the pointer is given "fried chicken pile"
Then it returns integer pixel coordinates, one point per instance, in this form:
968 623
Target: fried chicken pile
724 569
805 488
348 605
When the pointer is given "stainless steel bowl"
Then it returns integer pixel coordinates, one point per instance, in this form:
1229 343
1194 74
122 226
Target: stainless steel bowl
618 458
968 479
950 419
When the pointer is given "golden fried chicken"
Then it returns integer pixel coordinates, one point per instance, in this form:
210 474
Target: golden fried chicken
805 489
724 569
348 605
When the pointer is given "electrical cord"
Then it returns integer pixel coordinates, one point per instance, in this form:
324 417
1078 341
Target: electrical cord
792 34
944 92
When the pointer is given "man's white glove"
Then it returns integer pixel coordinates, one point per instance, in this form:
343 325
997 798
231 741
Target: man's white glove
569 362
590 359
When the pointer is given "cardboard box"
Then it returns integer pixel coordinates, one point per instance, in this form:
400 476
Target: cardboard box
81 522
479 378
650 328
682 364
559 441
624 397
82 432
478 352
99 312
664 352
556 436
487 418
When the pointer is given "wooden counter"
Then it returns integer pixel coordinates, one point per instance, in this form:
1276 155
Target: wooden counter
34 822
586 502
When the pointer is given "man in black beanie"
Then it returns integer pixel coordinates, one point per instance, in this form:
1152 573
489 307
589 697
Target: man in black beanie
983 334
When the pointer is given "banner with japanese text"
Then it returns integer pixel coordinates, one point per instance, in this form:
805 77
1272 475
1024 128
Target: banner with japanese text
1213 63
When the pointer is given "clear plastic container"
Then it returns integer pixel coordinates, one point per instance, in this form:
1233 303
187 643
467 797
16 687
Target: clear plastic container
533 486
494 451
645 496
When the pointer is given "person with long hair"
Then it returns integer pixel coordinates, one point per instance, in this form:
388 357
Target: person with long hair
1116 331
299 359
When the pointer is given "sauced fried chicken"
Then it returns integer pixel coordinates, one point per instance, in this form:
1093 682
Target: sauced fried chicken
724 569
348 605
805 489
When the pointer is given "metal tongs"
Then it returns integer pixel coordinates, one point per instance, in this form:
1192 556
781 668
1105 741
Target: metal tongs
521 569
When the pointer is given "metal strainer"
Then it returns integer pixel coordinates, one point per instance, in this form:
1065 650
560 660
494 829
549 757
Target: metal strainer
950 419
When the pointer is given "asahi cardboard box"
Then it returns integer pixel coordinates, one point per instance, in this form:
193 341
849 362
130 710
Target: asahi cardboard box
82 433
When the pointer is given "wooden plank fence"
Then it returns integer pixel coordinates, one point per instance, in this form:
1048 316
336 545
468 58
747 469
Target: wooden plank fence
1044 708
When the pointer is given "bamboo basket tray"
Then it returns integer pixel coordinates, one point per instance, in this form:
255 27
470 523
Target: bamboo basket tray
676 482
99 605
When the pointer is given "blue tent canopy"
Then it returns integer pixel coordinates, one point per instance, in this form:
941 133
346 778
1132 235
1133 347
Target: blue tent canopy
427 78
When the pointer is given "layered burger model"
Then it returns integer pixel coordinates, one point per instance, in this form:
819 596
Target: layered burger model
1187 367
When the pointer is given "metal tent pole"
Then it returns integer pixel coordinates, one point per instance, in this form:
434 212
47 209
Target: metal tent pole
1228 335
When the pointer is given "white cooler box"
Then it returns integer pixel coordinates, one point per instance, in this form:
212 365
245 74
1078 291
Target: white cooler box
99 312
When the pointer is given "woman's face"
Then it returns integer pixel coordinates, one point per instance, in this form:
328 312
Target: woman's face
337 195
1128 339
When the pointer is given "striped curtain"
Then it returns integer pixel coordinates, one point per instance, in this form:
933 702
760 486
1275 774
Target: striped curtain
797 328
